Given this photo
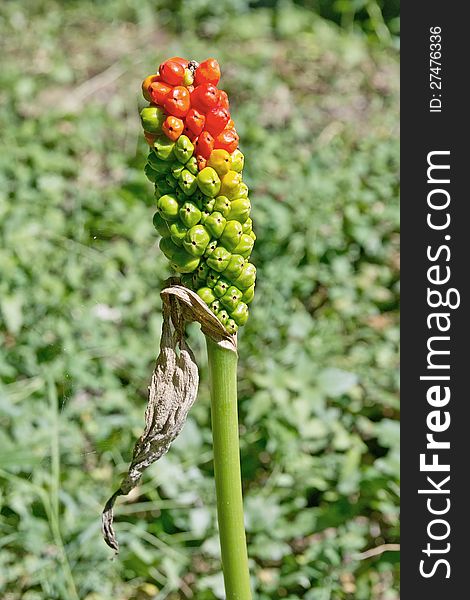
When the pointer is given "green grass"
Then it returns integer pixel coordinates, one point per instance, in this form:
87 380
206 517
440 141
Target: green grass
316 109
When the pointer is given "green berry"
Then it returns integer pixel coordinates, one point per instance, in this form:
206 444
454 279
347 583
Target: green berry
183 149
164 148
223 316
187 182
187 280
221 287
190 214
208 204
196 240
168 248
202 272
204 215
238 161
162 167
252 234
150 173
176 169
206 294
152 118
208 182
247 277
215 224
247 226
215 306
219 259
161 225
178 232
212 278
211 246
240 209
231 235
240 314
241 191
168 207
234 267
171 181
248 294
182 262
191 165
231 326
222 205
162 188
231 298
245 246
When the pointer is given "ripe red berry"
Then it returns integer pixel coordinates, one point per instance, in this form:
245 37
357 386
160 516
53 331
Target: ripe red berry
216 120
182 61
204 97
208 72
172 127
223 99
172 72
204 144
227 140
158 92
187 132
195 121
177 102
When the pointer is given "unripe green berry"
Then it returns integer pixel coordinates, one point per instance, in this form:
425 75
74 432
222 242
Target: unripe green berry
241 192
161 225
208 182
221 287
182 262
212 278
191 165
245 246
168 207
247 226
223 316
152 118
231 298
176 169
168 248
190 214
234 267
187 182
238 161
178 232
171 181
183 149
164 148
231 326
202 272
204 215
206 294
215 306
215 224
219 259
162 188
196 240
240 314
247 277
248 294
187 280
150 173
208 204
231 235
211 246
222 205
240 210
157 164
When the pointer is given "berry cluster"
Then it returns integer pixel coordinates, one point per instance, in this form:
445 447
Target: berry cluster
203 210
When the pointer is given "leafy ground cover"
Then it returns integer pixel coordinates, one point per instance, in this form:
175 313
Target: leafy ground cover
316 109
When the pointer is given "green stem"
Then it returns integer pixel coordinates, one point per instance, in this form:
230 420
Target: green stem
223 383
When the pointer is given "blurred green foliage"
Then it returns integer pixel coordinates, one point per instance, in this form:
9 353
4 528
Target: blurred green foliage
316 109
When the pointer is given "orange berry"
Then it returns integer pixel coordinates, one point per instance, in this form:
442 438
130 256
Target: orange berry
208 72
172 72
146 83
227 140
158 92
177 102
172 127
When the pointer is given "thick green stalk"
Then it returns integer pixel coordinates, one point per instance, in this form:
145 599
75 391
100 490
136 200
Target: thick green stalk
223 383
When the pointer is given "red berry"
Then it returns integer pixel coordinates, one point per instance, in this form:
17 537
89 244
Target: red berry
158 92
208 72
227 140
173 127
172 72
204 97
189 134
216 120
195 121
204 144
223 99
177 103
182 61
201 162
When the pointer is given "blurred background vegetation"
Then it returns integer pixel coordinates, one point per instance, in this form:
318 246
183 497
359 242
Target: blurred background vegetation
314 93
